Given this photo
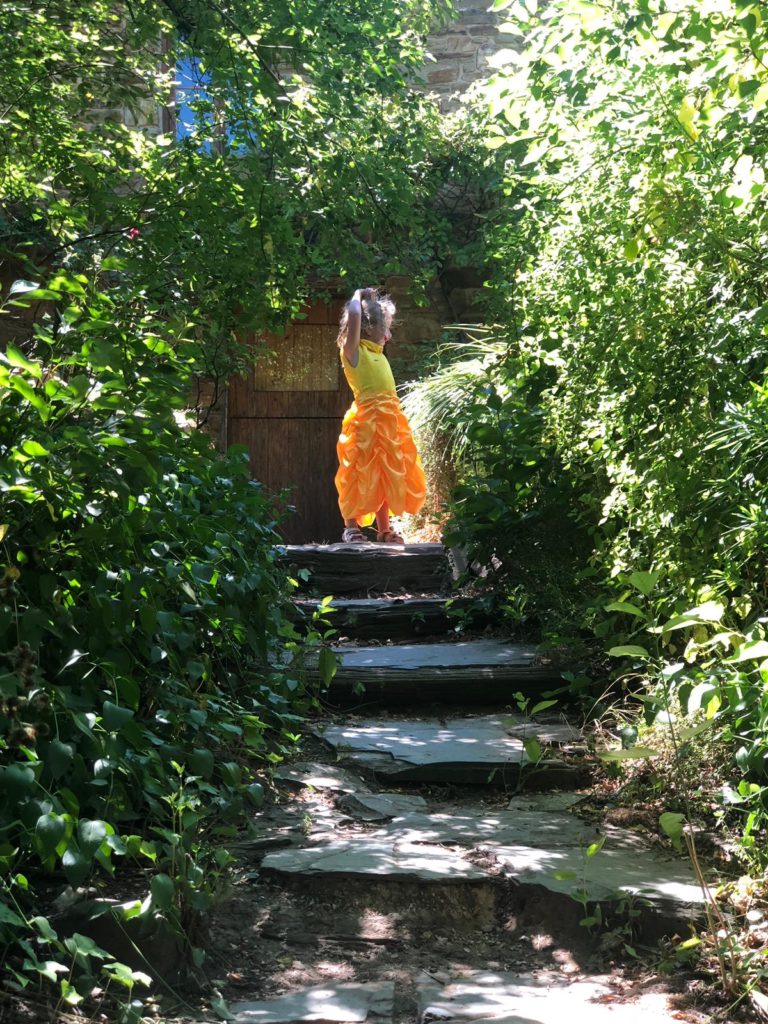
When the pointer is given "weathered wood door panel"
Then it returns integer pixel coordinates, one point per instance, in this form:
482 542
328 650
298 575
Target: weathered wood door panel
288 414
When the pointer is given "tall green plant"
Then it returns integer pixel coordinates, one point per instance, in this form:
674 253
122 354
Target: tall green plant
634 133
627 275
141 629
145 685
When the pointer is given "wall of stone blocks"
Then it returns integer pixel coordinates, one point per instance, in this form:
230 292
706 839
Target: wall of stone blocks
148 117
461 50
418 329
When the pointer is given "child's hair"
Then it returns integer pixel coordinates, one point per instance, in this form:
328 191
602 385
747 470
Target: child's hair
375 308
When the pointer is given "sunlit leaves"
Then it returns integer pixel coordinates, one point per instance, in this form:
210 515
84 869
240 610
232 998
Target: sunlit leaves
143 611
754 650
627 754
687 115
673 825
628 279
629 651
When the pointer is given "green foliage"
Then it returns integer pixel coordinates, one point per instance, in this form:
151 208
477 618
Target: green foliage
149 675
626 409
304 159
142 630
511 504
636 248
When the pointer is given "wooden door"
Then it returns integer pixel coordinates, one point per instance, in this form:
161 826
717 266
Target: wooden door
288 414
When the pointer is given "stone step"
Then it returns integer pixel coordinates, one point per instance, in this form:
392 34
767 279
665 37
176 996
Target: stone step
396 618
488 851
349 1002
368 568
466 672
457 996
460 853
462 891
486 749
503 997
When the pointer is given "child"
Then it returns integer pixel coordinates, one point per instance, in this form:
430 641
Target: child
380 471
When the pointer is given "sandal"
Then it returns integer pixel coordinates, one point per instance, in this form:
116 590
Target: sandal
353 535
389 537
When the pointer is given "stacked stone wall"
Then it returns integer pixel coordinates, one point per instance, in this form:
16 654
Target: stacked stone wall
461 50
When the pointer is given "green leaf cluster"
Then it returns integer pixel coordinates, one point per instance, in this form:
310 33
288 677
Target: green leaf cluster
149 675
143 687
616 446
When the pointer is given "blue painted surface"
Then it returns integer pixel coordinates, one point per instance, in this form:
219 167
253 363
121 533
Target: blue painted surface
193 101
196 109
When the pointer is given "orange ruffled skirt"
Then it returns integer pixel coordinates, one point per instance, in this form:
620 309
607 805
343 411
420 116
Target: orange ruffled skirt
378 461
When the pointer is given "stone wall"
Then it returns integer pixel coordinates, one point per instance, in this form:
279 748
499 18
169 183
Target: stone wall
461 50
149 117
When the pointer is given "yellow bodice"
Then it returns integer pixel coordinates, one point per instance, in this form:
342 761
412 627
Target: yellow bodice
372 376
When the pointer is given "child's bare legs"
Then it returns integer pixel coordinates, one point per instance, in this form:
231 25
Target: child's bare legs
382 519
383 529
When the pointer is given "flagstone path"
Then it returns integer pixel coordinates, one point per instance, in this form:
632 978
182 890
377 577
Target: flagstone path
434 857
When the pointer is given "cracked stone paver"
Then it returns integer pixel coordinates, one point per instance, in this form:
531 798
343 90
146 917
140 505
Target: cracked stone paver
482 655
504 998
321 776
547 850
664 882
444 748
346 1003
545 801
380 806
375 860
491 829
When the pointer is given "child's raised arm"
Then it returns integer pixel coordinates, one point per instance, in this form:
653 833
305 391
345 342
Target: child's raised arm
354 319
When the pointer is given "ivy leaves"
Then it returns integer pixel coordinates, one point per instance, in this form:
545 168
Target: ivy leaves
141 580
143 694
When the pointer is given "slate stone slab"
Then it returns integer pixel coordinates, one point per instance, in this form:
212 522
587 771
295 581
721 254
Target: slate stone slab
375 860
321 776
380 806
472 671
368 568
666 884
493 829
545 801
397 618
347 1003
504 998
477 655
460 750
291 823
532 849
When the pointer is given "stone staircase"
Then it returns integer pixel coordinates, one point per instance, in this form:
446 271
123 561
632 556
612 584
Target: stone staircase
438 828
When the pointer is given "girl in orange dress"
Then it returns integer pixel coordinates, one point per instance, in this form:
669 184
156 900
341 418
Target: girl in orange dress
380 472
